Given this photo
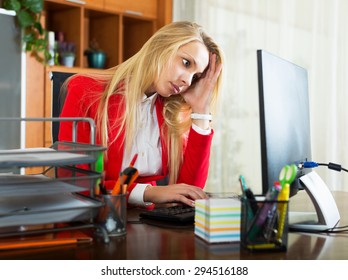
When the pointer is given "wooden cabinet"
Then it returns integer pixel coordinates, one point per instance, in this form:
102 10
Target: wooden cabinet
93 4
145 9
120 27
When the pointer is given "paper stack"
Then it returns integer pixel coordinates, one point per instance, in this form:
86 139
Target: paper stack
218 219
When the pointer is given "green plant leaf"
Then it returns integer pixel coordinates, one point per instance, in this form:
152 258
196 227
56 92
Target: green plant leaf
29 37
14 5
28 46
25 19
40 44
35 6
39 28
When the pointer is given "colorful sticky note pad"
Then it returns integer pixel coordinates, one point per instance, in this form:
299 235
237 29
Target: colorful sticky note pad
218 219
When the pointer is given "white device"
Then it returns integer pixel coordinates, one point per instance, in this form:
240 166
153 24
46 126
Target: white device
327 215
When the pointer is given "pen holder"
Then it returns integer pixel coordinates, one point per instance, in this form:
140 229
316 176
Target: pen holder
113 214
264 224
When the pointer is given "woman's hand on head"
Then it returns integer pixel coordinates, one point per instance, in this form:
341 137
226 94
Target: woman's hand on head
182 193
198 95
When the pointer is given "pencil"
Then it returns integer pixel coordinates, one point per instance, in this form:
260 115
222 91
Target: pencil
133 160
118 184
121 179
124 188
42 243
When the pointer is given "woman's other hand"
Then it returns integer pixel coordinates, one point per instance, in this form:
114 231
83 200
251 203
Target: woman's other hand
198 96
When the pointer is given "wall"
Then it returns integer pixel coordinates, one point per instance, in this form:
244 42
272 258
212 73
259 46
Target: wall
309 33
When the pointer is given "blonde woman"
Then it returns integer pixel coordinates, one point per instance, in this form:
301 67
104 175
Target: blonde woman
158 105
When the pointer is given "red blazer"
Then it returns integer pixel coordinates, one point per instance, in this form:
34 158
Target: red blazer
81 102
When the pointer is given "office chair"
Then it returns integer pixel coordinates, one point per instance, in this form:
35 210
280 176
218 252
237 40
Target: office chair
57 79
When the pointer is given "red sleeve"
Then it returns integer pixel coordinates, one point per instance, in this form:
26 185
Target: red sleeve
78 103
195 167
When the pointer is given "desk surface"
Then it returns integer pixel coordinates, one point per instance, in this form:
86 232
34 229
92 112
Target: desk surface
145 241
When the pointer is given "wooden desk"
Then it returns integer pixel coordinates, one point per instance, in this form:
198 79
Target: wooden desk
144 241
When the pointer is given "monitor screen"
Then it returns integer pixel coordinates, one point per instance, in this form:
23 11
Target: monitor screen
284 118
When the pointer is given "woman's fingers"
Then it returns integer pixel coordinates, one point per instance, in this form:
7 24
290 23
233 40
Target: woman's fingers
174 193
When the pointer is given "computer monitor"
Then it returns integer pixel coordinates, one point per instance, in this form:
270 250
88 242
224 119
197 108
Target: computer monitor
284 118
285 138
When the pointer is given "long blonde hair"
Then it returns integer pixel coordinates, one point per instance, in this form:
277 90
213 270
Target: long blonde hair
137 75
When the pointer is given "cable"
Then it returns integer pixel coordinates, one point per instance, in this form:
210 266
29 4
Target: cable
341 229
330 165
334 230
334 166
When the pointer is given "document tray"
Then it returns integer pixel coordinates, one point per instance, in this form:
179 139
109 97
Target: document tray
46 209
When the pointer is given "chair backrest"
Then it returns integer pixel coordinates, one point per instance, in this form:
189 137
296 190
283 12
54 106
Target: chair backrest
57 78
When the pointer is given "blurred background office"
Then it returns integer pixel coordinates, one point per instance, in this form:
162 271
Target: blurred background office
310 33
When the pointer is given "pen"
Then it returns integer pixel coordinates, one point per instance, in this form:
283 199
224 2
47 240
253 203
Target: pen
282 205
269 231
124 175
242 183
99 167
117 187
128 176
262 246
42 243
251 198
133 160
262 213
124 188
251 201
286 176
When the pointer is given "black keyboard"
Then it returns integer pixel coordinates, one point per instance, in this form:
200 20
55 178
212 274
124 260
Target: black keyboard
178 214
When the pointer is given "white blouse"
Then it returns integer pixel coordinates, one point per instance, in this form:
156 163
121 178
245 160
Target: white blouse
147 144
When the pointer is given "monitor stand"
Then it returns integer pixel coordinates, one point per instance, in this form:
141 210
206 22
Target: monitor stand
327 215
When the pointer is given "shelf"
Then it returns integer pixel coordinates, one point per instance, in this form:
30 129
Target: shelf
105 29
141 8
135 34
120 32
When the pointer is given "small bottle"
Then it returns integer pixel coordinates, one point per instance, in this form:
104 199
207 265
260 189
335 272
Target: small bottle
51 42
